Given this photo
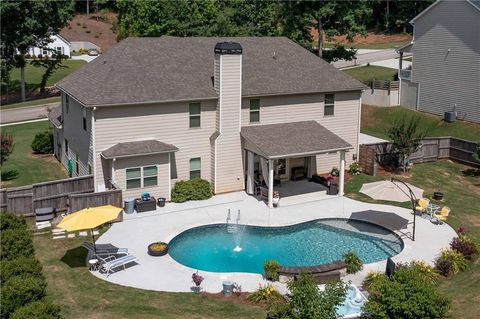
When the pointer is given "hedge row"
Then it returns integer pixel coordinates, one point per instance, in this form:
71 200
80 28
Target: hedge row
195 189
23 284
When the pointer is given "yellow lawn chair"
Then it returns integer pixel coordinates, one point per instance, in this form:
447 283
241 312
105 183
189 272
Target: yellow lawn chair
443 215
422 205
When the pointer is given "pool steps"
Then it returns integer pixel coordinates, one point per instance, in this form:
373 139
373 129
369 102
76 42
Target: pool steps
232 228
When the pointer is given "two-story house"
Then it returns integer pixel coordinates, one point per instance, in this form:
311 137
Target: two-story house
445 72
152 111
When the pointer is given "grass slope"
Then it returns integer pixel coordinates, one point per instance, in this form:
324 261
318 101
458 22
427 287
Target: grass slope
81 295
367 73
30 168
461 195
377 120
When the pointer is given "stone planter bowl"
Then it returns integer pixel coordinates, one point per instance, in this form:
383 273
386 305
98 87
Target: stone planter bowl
158 249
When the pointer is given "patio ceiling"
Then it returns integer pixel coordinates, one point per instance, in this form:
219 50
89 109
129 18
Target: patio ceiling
293 139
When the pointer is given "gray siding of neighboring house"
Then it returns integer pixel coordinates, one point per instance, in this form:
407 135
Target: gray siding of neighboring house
446 60
79 140
229 173
168 123
295 108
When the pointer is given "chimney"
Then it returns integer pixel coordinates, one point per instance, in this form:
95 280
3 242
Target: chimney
227 163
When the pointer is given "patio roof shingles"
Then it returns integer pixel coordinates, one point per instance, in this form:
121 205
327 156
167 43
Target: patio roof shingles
138 148
293 139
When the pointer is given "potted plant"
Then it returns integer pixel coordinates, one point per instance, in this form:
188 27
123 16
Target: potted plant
158 249
271 268
354 263
197 280
276 198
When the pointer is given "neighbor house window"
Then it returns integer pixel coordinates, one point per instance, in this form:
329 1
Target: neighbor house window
85 119
44 51
89 169
77 166
66 103
329 104
195 168
66 146
134 178
142 177
149 176
195 111
254 110
59 50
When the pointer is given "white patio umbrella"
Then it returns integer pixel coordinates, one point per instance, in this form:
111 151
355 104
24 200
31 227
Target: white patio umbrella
390 191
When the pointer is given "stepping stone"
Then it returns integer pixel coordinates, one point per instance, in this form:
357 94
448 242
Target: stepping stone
44 226
71 235
59 237
58 231
83 234
96 232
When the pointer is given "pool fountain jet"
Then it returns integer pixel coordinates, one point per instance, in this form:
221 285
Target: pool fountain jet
238 234
237 249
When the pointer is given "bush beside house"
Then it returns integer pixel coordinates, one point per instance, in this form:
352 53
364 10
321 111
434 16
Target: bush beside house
195 189
23 284
43 143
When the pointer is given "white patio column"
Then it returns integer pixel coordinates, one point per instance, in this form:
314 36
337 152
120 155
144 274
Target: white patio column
341 182
113 170
250 173
270 183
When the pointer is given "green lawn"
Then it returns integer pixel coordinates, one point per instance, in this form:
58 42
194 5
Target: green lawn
23 167
462 193
81 295
31 103
367 73
377 120
33 75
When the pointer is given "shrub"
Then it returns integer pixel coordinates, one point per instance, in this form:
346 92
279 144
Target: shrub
266 294
271 269
354 263
6 147
335 172
405 295
355 168
19 291
195 189
15 243
456 259
43 143
425 272
444 267
464 245
19 266
87 31
10 221
372 279
38 310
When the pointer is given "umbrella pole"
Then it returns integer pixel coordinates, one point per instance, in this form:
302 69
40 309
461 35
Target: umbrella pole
413 200
93 238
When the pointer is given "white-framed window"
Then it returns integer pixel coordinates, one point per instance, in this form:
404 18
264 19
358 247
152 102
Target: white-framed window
195 167
138 177
67 102
329 108
254 110
84 119
195 110
59 50
44 51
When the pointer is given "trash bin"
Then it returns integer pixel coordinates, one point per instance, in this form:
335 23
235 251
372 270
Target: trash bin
129 205
228 288
333 189
161 201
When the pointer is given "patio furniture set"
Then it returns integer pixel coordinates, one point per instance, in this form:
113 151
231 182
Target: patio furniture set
435 212
105 258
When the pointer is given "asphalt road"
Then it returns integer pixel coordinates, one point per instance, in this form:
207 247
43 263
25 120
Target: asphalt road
369 57
25 113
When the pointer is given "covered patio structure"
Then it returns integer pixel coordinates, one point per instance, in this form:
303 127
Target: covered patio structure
296 143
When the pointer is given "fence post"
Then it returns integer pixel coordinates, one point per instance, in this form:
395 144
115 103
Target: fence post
373 85
389 86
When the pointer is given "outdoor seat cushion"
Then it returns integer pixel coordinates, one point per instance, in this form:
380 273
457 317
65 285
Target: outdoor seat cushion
44 214
292 271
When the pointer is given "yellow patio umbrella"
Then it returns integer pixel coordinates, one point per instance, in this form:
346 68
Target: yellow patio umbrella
89 218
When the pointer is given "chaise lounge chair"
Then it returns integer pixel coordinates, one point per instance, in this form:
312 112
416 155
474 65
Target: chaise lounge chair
108 266
104 249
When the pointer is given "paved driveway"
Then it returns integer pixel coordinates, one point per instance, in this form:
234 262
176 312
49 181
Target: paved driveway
369 57
25 113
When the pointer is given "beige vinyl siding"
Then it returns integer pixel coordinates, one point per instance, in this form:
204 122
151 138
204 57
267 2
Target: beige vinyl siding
160 161
294 108
79 140
167 122
229 164
448 77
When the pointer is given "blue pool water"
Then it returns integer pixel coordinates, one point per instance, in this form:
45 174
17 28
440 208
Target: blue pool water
212 247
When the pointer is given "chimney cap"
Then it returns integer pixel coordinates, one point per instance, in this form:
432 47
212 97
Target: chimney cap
228 48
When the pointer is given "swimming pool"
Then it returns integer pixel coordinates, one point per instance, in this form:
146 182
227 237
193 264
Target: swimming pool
244 248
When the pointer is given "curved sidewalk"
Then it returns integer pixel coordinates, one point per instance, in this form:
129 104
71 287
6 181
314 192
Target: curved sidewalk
165 274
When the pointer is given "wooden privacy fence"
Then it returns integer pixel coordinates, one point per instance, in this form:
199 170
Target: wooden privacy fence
383 85
432 149
60 194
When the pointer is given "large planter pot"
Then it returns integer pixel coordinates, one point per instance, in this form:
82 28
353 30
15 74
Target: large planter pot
158 249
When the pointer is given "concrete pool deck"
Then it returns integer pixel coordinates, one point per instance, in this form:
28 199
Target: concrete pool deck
165 274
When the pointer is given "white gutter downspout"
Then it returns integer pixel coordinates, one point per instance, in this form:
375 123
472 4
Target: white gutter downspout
359 126
94 150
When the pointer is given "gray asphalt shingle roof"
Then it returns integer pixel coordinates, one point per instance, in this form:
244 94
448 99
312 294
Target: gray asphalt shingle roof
295 138
158 69
138 148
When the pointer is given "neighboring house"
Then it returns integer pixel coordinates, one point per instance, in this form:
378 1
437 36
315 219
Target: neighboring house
57 44
152 111
445 74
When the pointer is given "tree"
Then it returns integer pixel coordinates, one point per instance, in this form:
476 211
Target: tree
406 138
30 23
308 302
6 146
50 65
